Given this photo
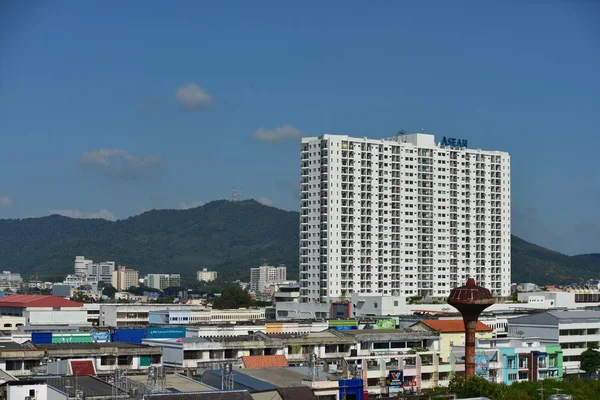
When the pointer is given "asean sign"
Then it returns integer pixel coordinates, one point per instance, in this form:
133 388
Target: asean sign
453 142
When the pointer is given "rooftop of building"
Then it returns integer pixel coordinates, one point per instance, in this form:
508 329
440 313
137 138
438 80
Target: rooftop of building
176 383
23 382
451 325
34 300
9 346
213 395
279 377
92 346
90 385
242 381
558 316
389 334
273 361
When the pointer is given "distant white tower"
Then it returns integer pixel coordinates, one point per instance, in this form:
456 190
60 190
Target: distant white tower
82 265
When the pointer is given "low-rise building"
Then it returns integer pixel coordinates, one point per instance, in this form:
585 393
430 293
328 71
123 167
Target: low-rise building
120 315
205 315
528 359
101 357
249 328
574 330
19 359
24 389
20 309
571 299
452 333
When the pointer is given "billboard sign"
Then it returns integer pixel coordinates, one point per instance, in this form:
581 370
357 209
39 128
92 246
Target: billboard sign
395 378
102 337
482 366
386 324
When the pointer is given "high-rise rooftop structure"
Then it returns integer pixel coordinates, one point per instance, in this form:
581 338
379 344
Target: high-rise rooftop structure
404 216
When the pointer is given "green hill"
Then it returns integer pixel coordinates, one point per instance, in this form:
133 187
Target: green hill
229 237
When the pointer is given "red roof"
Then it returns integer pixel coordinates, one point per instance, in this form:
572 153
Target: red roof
452 325
82 367
34 300
265 361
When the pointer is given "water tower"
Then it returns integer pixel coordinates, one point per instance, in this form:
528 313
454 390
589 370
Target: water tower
470 300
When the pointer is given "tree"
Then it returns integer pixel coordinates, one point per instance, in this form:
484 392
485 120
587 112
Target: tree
109 291
139 290
590 360
233 297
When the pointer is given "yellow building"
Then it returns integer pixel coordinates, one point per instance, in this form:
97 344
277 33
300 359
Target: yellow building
452 333
124 278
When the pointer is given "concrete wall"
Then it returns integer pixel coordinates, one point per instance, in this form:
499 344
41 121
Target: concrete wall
75 317
9 323
55 394
21 392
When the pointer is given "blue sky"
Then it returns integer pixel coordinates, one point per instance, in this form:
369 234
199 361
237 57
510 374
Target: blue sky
111 108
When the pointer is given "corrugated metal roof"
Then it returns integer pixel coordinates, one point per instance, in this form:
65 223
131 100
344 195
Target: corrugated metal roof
273 361
556 317
241 381
214 395
452 325
296 393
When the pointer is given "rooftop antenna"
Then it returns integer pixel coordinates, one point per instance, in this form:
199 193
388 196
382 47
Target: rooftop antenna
313 372
227 377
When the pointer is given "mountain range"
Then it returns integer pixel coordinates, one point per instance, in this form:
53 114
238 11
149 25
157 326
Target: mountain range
229 237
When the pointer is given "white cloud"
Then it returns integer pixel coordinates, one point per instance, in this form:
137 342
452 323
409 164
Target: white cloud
6 201
104 214
193 97
278 134
192 204
118 163
265 201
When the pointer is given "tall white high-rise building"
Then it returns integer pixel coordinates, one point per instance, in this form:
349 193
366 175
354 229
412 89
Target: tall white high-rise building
266 275
403 216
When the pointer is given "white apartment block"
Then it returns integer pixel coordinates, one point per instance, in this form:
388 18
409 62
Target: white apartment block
265 276
82 265
162 281
101 272
403 216
206 275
